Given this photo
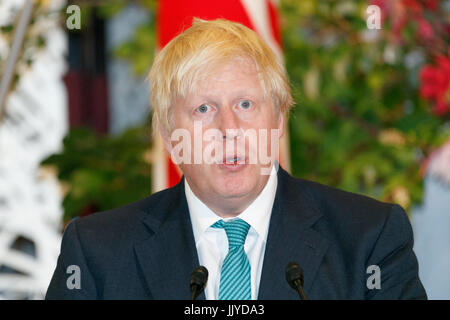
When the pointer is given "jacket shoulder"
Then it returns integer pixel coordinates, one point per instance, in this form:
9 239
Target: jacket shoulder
119 223
344 211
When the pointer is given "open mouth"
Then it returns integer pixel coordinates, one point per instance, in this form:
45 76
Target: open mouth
234 163
233 160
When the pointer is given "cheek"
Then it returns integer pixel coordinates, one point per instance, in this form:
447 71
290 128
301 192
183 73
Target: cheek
180 122
267 117
180 116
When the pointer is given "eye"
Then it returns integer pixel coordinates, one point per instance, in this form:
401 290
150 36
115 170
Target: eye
204 108
245 104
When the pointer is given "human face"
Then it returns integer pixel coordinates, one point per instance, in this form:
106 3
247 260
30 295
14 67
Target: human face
230 98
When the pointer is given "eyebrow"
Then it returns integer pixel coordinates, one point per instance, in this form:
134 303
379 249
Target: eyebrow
240 93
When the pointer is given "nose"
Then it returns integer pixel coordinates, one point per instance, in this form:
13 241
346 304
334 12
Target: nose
228 123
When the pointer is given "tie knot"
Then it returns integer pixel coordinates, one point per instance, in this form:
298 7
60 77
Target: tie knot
236 231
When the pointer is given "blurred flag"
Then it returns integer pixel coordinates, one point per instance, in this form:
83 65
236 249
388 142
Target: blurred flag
174 16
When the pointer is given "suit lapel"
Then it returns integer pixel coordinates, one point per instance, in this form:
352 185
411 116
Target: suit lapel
291 238
167 254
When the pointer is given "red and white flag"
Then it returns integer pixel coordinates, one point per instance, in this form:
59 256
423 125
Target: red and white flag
174 16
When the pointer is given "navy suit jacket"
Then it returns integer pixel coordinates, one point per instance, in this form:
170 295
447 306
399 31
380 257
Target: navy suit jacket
146 250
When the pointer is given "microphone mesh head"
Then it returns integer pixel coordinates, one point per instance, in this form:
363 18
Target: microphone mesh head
293 273
199 276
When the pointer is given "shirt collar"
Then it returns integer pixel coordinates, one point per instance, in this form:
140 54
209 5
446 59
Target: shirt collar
257 214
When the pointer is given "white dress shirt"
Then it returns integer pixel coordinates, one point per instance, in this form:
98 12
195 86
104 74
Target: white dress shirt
212 243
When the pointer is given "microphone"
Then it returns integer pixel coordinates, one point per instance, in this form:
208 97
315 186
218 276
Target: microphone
198 280
294 276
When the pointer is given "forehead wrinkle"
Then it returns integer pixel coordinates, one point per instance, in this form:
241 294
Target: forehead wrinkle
246 83
251 93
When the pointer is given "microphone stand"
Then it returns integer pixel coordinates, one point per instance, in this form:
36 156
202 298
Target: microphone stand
198 280
300 291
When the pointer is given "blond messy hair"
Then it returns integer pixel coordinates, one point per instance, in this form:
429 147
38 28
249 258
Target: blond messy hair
206 45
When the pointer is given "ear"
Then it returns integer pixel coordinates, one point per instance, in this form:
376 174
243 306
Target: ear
281 125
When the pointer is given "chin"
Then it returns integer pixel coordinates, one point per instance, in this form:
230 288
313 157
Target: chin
231 191
236 184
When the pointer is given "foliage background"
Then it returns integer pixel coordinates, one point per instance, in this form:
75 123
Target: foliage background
361 122
103 172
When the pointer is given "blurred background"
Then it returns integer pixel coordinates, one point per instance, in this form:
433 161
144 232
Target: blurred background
371 81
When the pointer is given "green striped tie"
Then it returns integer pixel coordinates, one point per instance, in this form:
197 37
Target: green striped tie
235 276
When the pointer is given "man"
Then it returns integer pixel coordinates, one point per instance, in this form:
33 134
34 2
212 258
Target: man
219 96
